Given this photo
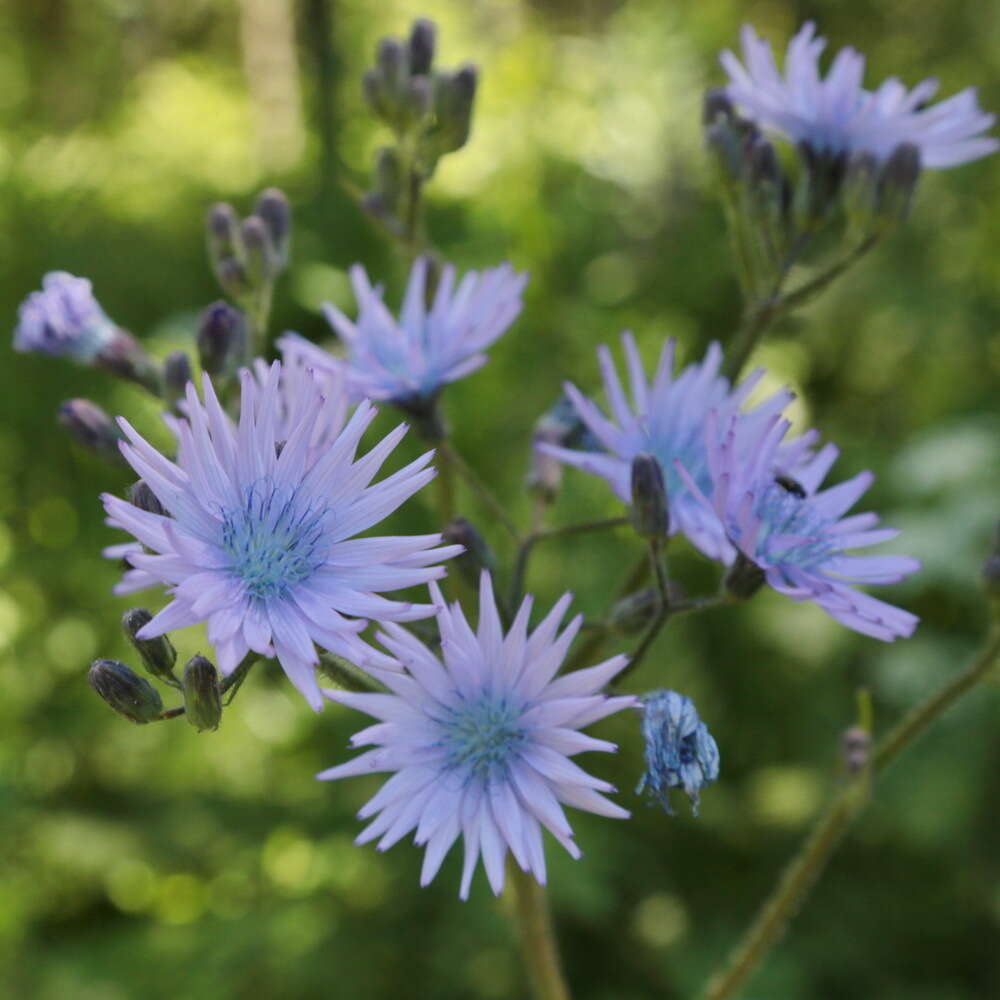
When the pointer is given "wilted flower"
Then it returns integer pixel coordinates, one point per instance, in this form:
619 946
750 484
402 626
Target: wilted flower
796 533
667 420
480 742
837 115
679 751
409 361
64 320
259 539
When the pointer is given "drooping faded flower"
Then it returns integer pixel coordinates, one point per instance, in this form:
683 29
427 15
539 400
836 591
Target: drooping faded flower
679 750
796 533
481 739
64 320
667 419
836 115
408 362
258 540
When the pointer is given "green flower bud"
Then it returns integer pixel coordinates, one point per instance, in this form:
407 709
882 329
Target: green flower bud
202 694
272 206
650 512
158 655
897 182
145 499
744 578
176 375
261 256
222 338
125 691
222 229
91 428
477 555
421 48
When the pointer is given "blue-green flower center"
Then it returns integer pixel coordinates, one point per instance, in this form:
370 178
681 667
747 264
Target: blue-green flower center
482 736
274 540
792 531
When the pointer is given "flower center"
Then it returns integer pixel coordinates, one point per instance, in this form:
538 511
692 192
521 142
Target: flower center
482 736
792 532
273 540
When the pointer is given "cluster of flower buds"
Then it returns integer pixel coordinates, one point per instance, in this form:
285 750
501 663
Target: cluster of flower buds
429 111
780 215
136 699
247 255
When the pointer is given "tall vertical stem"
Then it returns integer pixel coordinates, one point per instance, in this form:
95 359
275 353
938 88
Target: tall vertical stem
538 941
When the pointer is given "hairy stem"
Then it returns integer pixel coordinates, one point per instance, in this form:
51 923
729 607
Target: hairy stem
538 941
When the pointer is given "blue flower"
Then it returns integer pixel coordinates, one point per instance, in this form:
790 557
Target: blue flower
796 533
837 115
679 752
63 320
407 362
260 536
480 736
667 419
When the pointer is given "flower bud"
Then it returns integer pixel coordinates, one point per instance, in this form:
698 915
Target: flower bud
233 278
158 655
261 256
125 691
819 191
202 694
222 230
91 428
222 339
421 48
855 749
454 98
717 105
383 201
176 375
634 612
477 555
272 206
897 182
861 191
141 496
744 578
650 512
679 750
545 471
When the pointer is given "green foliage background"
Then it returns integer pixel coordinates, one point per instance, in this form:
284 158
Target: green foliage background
152 862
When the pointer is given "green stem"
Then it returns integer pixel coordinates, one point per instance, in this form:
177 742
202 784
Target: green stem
235 680
449 455
805 292
847 804
662 614
347 675
538 941
445 482
527 546
757 317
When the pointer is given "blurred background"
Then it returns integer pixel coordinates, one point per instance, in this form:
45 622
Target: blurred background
155 862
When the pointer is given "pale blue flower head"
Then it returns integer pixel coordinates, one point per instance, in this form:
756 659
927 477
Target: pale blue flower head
679 749
408 362
666 419
64 320
480 738
836 115
796 532
259 535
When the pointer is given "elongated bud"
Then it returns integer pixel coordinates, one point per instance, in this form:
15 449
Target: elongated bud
176 375
716 105
261 256
222 230
744 578
477 555
202 694
855 749
819 191
544 470
634 612
91 428
423 36
158 655
861 191
222 338
650 512
233 278
383 201
125 691
897 182
272 206
145 499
